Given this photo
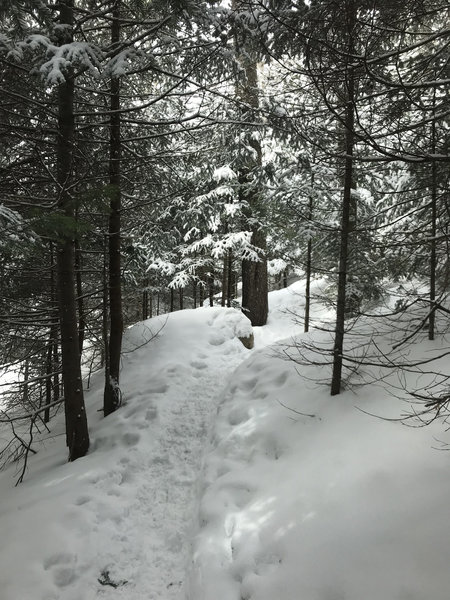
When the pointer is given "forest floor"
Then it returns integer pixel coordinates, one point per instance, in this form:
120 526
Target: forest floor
231 474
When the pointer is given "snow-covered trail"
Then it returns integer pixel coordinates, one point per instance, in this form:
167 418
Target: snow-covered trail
122 517
181 406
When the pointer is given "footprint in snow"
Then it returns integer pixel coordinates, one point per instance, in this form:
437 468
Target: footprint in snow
82 500
158 388
274 381
198 364
247 385
61 565
241 494
281 379
238 415
151 413
130 438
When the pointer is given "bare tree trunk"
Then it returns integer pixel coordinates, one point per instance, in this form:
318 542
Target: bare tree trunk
211 288
201 294
145 299
48 378
77 436
346 210
433 260
26 376
144 304
224 281
80 302
308 265
52 380
56 365
194 293
230 278
111 400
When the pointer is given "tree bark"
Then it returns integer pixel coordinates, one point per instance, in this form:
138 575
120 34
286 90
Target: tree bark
77 436
194 293
181 298
80 302
145 300
111 399
230 279
433 259
308 263
211 288
255 284
338 348
144 304
254 273
224 280
52 379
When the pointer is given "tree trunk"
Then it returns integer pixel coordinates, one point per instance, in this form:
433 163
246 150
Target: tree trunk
48 378
255 284
111 399
224 281
200 294
52 380
433 260
77 436
80 303
211 288
194 293
144 304
308 263
145 300
230 279
181 298
254 273
346 219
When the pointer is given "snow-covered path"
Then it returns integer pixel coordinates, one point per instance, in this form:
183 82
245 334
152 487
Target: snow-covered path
129 525
182 401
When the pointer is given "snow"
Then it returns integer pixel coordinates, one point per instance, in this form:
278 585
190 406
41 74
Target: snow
231 474
224 173
66 56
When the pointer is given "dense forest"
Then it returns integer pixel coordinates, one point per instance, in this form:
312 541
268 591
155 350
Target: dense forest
161 155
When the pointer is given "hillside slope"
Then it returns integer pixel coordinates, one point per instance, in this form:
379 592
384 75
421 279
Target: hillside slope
231 474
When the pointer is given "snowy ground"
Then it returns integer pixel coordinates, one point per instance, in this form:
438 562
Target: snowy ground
227 476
